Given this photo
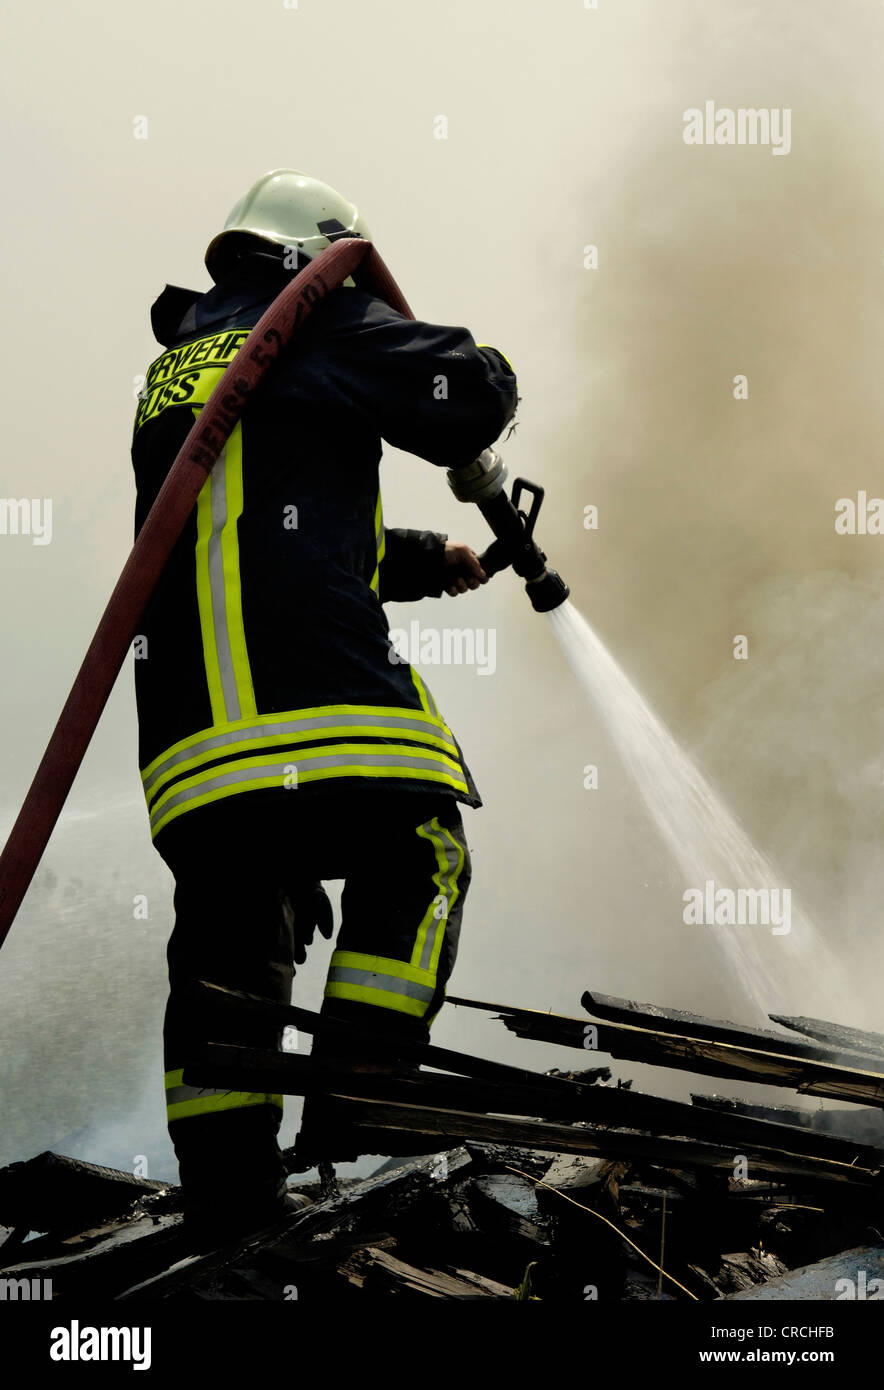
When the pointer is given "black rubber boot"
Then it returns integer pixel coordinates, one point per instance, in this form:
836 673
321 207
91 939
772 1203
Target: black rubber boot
208 1228
230 1165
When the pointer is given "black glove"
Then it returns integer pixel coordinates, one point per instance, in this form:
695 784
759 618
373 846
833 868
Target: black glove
306 907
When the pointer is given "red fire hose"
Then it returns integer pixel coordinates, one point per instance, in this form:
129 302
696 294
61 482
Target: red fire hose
164 524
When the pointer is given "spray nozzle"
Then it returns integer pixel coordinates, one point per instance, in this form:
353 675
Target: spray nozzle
547 592
482 482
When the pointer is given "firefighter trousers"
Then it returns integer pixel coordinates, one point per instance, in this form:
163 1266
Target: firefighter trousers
406 870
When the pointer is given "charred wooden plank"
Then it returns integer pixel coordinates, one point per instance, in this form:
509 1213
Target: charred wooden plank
506 1205
489 1286
744 1271
52 1191
835 1035
855 1083
222 1064
664 1020
852 1273
119 1254
545 1097
863 1127
386 1273
587 1139
351 1034
574 1171
777 1114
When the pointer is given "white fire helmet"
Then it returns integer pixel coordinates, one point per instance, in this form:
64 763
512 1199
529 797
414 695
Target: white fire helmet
291 210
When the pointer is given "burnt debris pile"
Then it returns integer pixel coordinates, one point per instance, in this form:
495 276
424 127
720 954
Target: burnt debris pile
561 1186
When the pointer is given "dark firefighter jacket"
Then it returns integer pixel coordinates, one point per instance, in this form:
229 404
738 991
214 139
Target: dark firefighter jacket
264 658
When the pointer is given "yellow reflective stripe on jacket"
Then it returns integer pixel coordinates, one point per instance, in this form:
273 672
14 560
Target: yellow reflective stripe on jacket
305 765
382 982
431 932
219 592
428 703
380 541
182 1101
298 726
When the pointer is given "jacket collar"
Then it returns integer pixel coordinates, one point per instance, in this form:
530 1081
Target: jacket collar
179 313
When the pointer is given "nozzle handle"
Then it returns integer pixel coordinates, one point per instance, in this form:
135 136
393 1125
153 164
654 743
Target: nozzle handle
521 485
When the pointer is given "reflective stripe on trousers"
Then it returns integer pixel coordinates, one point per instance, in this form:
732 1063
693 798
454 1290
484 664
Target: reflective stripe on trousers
407 987
182 1101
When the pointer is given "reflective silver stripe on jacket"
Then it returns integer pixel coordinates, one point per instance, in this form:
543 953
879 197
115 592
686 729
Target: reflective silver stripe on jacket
274 770
301 725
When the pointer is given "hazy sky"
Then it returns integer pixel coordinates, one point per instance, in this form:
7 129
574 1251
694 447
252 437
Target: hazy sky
716 516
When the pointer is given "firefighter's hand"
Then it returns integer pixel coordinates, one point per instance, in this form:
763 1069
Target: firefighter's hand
463 569
307 908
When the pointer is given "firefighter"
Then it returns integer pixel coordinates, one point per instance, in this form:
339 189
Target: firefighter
282 741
